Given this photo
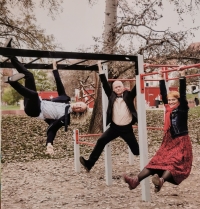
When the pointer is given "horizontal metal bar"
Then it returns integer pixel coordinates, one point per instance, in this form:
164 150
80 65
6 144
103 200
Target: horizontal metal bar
190 66
77 63
60 60
49 67
90 135
122 79
32 61
150 128
151 65
187 76
154 73
68 55
173 66
101 63
86 143
51 64
151 79
6 60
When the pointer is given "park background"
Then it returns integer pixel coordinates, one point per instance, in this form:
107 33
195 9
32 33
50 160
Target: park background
31 179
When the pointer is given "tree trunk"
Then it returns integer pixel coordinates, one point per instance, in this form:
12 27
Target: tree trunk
96 123
110 22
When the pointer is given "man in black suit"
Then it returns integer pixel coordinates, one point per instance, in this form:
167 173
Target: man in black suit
121 115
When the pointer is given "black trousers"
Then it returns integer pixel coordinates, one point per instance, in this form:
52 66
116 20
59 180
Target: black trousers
32 100
62 96
114 131
29 92
55 125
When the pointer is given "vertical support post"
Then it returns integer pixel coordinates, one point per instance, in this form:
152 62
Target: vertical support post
107 149
142 131
76 151
166 79
0 126
130 157
167 87
199 88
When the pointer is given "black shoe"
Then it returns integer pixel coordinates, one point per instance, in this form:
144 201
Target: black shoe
8 42
13 78
84 163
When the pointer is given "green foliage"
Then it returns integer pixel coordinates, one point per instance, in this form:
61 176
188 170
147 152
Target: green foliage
43 83
10 96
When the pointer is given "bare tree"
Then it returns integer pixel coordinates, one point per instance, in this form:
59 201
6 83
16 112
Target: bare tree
135 32
21 25
96 124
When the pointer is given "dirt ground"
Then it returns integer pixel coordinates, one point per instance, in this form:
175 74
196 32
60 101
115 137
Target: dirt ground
31 180
53 183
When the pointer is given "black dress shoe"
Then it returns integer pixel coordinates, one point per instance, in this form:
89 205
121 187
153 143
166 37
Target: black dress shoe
8 42
85 164
13 78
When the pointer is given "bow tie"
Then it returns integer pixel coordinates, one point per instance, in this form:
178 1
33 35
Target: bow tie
120 96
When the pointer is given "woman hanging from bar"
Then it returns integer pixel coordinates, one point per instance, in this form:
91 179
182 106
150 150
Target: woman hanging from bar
55 112
173 161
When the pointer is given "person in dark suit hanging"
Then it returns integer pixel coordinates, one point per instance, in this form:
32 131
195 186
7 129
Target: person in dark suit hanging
55 112
121 115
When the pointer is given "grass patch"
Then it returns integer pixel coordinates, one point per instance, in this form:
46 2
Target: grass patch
191 96
10 107
195 111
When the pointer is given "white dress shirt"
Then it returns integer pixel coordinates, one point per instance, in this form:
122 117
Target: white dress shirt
121 115
52 110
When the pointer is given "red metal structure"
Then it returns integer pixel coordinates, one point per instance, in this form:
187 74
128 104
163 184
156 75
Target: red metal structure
152 92
78 136
48 94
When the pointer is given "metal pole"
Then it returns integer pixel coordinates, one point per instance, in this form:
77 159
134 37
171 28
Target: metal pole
166 80
130 157
107 149
142 131
199 89
76 151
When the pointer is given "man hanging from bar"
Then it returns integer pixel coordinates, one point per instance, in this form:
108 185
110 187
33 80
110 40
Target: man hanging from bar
121 115
55 112
173 160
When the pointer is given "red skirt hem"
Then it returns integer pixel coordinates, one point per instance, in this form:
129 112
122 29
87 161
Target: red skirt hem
174 155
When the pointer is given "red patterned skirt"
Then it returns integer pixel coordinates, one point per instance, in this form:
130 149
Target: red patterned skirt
174 155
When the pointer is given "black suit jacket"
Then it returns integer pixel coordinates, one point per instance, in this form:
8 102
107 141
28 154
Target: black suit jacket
128 97
179 116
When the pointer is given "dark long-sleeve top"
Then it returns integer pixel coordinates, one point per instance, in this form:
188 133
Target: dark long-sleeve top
179 116
128 97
